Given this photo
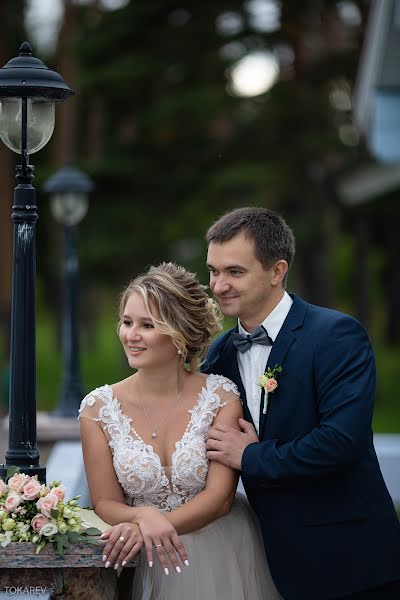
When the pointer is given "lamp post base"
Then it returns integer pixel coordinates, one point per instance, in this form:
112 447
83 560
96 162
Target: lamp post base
28 470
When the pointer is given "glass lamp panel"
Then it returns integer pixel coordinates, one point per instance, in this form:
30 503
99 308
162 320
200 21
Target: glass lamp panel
40 123
69 208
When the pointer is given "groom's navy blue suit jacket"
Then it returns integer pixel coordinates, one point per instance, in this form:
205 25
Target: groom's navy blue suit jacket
328 522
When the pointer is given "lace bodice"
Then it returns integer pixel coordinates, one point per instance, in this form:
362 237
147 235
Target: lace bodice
138 467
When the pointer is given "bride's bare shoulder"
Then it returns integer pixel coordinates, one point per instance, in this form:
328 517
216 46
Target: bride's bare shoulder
121 386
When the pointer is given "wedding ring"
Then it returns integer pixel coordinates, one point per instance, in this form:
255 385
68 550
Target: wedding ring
121 539
157 545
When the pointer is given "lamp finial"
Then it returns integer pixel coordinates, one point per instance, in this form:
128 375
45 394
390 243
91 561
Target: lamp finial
25 49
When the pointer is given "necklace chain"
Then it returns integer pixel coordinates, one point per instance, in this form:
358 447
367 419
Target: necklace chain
172 407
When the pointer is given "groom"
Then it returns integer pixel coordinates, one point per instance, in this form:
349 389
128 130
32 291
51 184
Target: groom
305 451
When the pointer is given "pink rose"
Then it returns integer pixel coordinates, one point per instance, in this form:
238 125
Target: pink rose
46 503
31 490
271 385
38 522
4 489
17 481
12 501
59 491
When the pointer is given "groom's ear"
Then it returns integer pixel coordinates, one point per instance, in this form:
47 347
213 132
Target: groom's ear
279 271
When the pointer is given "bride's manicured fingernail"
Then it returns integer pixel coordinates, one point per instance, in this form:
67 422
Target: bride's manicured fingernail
166 571
104 557
123 563
107 564
178 569
102 535
150 563
186 562
116 566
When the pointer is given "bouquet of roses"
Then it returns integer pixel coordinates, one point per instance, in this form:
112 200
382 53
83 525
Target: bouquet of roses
32 512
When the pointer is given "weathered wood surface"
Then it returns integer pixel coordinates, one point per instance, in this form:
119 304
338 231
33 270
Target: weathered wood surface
22 555
64 584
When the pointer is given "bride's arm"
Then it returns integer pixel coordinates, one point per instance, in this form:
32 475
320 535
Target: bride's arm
217 497
105 491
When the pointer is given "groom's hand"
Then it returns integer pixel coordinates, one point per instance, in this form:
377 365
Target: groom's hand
226 444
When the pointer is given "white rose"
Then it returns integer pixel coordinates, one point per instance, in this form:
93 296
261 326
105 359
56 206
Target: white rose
48 530
4 489
17 482
12 501
5 538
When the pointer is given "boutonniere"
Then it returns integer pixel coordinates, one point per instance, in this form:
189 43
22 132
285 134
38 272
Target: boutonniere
269 383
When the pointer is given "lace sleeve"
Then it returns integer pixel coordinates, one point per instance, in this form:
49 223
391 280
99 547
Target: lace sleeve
228 397
90 406
230 393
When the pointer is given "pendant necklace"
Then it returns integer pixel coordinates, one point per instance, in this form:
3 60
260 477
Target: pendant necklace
172 407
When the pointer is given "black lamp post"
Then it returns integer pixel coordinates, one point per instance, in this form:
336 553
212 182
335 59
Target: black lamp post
69 190
28 92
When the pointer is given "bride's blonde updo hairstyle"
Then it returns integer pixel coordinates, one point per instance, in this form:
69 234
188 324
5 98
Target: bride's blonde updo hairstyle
179 307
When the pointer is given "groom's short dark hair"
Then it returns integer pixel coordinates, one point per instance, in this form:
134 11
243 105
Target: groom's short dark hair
272 237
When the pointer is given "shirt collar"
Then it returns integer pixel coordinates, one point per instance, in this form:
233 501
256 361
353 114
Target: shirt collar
275 319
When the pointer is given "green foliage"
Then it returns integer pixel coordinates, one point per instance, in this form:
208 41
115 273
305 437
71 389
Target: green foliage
11 471
102 359
387 406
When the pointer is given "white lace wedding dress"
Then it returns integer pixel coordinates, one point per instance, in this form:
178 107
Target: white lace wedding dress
227 559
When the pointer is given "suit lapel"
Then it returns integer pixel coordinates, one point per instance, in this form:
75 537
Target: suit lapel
230 368
284 340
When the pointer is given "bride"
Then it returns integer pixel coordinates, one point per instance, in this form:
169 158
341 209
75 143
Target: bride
143 441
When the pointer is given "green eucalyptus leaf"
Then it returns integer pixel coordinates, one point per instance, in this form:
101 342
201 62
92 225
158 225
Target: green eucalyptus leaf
11 471
93 541
74 536
62 543
91 531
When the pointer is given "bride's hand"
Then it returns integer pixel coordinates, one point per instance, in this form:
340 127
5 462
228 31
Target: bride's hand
123 542
158 533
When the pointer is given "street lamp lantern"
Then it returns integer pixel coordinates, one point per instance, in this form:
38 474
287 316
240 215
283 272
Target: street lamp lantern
28 92
69 189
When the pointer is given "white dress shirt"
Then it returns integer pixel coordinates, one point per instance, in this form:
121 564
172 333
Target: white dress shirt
252 363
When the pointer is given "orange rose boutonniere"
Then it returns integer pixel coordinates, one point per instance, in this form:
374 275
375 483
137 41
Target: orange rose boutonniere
268 381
